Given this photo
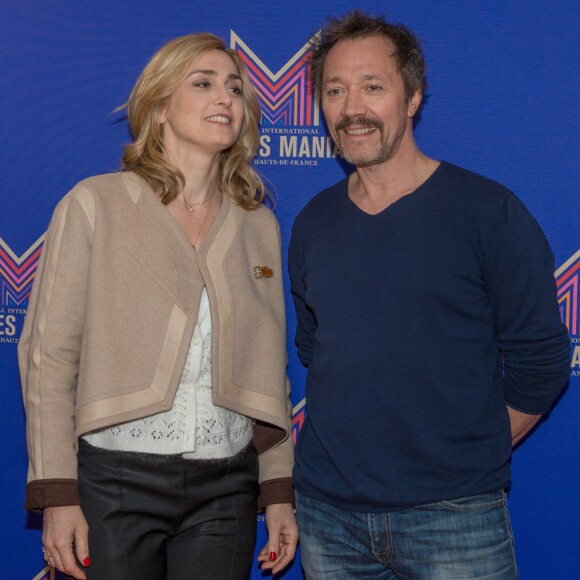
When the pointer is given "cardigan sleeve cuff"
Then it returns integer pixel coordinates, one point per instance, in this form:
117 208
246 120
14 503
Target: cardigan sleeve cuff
44 493
276 491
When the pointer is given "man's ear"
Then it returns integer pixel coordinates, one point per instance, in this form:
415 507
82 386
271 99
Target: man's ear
414 104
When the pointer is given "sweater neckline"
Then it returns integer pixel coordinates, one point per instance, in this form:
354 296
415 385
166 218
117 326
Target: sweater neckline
427 183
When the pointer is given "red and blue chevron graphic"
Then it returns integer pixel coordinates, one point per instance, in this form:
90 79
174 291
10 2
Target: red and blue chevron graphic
17 273
298 416
568 283
286 97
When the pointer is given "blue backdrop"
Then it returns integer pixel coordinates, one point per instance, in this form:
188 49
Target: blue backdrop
503 84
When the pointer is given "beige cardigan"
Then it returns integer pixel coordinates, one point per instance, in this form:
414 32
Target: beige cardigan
111 316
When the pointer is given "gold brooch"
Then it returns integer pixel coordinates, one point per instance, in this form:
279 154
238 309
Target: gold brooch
263 272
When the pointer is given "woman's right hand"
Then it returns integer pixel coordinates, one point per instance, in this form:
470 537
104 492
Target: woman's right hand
65 529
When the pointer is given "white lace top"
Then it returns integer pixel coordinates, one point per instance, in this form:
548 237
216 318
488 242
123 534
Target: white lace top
194 427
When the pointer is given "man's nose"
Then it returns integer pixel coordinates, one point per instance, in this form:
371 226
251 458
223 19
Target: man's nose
353 105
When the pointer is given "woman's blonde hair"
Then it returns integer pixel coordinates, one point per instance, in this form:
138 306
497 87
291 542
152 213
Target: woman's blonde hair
147 156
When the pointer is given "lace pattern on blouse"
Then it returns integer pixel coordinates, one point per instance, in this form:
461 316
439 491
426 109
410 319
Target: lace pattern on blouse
194 427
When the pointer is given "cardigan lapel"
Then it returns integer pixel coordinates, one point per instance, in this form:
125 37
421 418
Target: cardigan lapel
156 241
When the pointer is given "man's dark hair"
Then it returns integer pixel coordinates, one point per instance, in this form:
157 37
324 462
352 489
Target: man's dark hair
356 24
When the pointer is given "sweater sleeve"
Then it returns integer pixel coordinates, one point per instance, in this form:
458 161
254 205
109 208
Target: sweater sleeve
277 462
276 467
49 353
518 273
306 321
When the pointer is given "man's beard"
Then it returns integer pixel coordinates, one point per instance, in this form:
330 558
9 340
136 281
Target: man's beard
384 151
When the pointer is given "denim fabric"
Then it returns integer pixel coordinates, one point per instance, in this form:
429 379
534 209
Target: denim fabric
470 537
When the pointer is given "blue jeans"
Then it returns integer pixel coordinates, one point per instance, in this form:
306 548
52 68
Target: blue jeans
470 537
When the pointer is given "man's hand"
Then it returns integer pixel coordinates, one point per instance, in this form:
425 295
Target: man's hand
63 526
282 538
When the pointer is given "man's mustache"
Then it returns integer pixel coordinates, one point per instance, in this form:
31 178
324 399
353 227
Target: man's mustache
359 121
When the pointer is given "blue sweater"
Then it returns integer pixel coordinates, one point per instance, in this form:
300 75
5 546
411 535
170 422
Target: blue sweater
403 318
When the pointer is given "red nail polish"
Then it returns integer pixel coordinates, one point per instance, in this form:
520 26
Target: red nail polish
87 562
272 556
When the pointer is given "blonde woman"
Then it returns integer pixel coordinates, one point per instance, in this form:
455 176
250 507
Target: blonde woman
153 353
